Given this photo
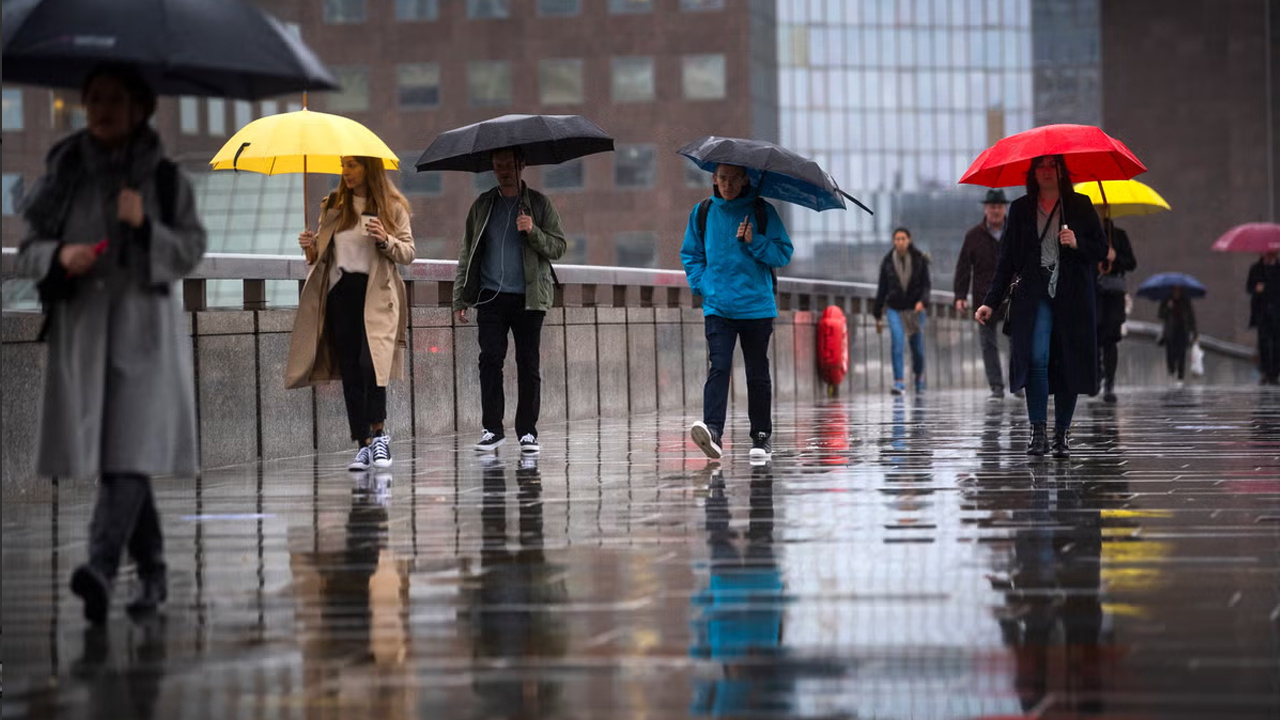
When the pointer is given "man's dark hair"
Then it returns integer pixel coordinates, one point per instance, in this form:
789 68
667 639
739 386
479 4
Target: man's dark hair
902 230
134 83
517 152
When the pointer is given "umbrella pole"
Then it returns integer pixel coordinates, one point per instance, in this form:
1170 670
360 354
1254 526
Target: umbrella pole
306 215
1106 221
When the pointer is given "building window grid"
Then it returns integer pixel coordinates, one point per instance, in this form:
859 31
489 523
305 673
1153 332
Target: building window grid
417 10
341 12
13 118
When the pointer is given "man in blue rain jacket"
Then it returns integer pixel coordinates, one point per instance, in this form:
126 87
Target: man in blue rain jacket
729 261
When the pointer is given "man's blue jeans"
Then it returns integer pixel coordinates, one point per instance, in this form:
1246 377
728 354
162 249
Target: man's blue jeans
896 337
722 335
1064 404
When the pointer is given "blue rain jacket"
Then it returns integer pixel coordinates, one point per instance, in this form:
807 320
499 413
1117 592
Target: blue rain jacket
733 276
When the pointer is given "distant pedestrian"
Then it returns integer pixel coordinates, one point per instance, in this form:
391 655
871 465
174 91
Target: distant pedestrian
901 295
978 257
1263 287
1178 333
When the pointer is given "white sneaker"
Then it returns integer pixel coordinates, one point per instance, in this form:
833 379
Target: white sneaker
489 441
706 439
529 444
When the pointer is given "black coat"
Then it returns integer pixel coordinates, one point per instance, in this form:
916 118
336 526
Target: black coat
1111 313
1073 354
1264 307
890 291
978 257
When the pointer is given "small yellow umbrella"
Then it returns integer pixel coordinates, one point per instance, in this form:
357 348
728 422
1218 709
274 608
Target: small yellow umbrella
300 142
1124 197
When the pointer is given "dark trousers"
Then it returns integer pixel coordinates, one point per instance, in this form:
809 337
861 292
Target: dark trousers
125 516
989 340
722 335
344 322
1175 353
1269 349
503 313
1109 357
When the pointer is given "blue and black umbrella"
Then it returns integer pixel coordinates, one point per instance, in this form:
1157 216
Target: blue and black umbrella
775 172
1160 286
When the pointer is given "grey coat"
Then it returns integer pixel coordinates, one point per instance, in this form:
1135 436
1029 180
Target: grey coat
119 391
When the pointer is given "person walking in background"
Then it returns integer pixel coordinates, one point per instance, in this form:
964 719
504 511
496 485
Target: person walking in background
729 261
504 271
112 229
977 262
903 289
1052 246
1111 301
1263 286
353 314
1178 333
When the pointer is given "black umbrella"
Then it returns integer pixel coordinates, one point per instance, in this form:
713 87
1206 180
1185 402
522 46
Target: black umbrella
775 172
223 48
544 139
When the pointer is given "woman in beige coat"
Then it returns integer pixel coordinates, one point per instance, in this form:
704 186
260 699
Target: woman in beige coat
353 314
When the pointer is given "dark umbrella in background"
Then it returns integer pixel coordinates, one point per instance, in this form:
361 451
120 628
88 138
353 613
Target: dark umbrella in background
544 140
221 48
1161 285
775 172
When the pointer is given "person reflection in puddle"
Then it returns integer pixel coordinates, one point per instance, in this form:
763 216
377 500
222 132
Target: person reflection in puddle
126 684
509 605
738 617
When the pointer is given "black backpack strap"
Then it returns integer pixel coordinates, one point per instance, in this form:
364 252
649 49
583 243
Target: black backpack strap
762 215
167 190
704 207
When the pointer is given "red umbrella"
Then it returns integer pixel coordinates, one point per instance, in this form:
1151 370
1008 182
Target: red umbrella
1090 153
1251 238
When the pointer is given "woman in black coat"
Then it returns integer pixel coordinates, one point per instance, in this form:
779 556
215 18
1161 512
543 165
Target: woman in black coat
1111 297
1052 245
904 287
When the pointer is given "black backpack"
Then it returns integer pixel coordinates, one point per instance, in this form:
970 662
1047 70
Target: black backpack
762 222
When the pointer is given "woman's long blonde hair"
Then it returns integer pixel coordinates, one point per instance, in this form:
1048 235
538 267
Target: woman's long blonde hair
383 194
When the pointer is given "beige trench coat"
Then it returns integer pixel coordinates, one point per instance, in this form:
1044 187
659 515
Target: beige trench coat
386 306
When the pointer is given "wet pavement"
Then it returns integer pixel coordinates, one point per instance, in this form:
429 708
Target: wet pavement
897 559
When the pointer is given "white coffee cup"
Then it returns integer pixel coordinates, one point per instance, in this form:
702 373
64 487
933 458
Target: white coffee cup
364 223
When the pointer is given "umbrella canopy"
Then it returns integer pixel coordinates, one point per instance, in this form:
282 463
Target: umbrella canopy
775 172
544 140
1250 238
1091 154
1161 285
226 48
302 141
1124 197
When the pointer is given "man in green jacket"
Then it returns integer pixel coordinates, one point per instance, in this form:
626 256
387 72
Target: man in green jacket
504 271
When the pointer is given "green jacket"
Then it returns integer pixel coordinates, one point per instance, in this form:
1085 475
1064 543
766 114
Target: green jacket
546 243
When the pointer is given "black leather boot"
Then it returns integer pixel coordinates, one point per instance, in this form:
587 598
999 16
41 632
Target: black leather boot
1039 444
153 590
95 590
1061 446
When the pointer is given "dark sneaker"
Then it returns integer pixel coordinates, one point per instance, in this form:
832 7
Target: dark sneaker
489 441
153 591
95 590
997 394
362 460
706 439
761 448
898 388
921 386
529 444
381 451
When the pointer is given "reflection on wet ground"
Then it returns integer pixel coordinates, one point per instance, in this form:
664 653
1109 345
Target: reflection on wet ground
897 559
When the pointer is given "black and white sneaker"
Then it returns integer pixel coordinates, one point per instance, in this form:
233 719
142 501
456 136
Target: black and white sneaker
529 444
489 441
761 448
364 456
381 451
706 439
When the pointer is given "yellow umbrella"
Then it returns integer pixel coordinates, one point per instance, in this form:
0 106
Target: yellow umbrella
300 142
1124 197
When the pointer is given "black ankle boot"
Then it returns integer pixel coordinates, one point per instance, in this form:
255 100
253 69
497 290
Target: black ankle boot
1039 444
153 590
1061 447
95 590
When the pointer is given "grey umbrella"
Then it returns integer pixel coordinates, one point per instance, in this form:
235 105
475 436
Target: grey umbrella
775 172
222 48
544 140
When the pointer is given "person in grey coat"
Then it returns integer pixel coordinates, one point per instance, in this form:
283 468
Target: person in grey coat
112 228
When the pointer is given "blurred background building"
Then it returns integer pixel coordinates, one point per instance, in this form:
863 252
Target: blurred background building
894 97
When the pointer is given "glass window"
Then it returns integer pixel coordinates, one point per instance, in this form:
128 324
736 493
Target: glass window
188 115
637 249
12 193
413 182
575 250
486 9
489 82
408 10
12 109
343 11
555 8
701 5
217 113
694 176
703 77
634 166
560 81
632 79
569 175
485 181
619 7
269 107
418 85
354 95
244 113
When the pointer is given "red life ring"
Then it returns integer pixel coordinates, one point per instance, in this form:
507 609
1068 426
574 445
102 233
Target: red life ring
833 347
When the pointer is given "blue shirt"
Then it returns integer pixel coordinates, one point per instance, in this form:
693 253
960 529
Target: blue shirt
502 267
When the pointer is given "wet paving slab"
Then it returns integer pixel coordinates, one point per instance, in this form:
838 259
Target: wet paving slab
898 558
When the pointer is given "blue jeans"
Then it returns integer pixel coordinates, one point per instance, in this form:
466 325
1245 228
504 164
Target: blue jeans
1064 404
722 335
896 336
